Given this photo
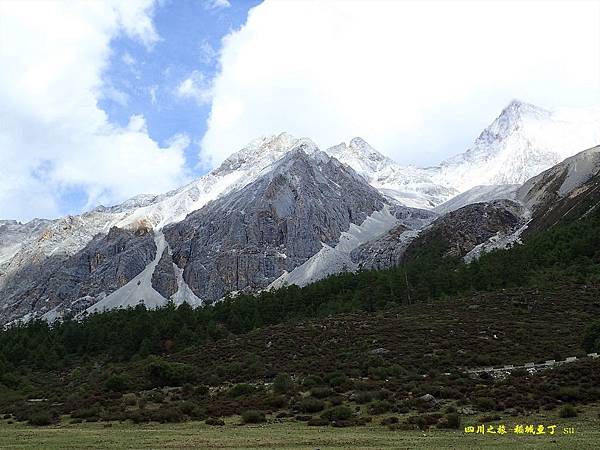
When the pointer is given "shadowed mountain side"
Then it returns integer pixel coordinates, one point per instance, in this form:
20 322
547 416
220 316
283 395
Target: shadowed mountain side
105 264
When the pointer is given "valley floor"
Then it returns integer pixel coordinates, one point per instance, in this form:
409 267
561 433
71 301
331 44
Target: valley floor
294 435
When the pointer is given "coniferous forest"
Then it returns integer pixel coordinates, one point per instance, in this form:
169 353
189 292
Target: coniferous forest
213 361
569 253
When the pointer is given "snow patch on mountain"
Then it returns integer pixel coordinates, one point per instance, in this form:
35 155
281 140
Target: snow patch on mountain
478 194
562 179
137 290
184 294
408 185
175 207
498 241
331 260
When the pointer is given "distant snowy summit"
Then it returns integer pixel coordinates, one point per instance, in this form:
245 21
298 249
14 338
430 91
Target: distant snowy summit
522 142
407 185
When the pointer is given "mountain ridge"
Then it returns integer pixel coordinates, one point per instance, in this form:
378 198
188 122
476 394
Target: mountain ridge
33 249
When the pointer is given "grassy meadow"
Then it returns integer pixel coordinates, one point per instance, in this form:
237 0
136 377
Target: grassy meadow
294 435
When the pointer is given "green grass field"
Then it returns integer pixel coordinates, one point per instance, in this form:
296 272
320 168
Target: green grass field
287 435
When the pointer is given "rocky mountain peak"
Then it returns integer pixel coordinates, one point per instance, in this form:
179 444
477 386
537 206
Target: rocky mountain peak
520 108
511 119
358 150
361 147
363 158
264 151
251 237
521 142
298 157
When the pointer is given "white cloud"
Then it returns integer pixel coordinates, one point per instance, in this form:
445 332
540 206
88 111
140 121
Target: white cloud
217 4
418 80
196 87
135 17
54 139
112 93
207 53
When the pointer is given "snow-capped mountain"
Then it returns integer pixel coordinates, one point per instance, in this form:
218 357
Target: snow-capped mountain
154 247
492 217
243 240
408 185
522 142
70 234
13 233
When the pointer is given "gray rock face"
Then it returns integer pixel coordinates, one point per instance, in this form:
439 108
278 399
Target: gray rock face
388 250
105 264
247 239
457 233
413 218
565 192
13 233
453 235
384 252
164 279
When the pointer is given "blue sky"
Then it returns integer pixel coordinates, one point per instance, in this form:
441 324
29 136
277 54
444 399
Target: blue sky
104 100
146 80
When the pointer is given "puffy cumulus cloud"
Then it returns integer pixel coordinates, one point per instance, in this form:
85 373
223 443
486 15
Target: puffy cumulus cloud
196 86
56 144
418 80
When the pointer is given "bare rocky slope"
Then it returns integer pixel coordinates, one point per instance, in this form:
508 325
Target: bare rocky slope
241 241
452 235
281 212
74 283
567 191
247 239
